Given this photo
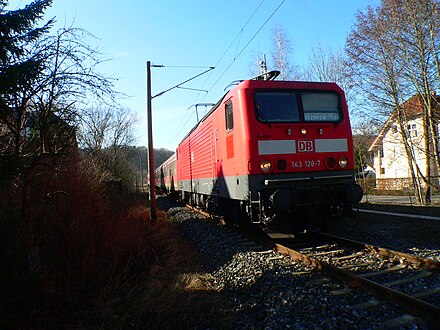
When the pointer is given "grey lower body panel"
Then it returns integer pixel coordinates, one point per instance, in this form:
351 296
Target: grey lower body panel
248 187
232 187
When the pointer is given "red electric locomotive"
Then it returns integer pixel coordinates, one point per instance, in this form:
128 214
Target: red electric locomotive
270 150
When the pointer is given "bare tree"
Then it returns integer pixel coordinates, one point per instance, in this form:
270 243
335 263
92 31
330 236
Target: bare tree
328 65
105 133
93 128
418 38
372 59
123 132
281 53
106 127
391 56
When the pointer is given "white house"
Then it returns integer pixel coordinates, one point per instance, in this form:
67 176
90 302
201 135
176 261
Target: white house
390 158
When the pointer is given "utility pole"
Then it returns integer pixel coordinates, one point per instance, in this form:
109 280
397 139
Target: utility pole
153 213
153 209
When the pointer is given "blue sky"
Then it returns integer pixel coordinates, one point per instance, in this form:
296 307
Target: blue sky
196 33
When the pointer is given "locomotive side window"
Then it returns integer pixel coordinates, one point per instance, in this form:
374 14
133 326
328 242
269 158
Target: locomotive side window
229 116
321 107
276 107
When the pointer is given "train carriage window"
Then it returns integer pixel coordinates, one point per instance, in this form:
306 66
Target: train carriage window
321 107
229 116
276 107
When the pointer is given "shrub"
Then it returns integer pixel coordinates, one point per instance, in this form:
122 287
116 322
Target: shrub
87 257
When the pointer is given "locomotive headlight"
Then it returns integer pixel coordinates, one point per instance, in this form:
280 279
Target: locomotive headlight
343 161
265 166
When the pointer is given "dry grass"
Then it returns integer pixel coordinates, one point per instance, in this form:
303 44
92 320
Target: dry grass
84 257
196 282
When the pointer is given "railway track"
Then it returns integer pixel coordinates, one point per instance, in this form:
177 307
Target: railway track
399 278
405 280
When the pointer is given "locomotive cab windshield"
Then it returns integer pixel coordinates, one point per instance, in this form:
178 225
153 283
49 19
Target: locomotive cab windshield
277 107
294 107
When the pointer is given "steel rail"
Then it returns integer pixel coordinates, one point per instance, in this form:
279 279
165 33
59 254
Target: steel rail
415 260
411 304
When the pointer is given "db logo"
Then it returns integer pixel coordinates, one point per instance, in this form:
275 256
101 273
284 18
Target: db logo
305 146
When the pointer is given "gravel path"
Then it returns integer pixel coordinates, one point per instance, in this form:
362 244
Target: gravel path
265 292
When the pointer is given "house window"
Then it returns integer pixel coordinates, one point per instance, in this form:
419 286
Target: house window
395 129
229 117
382 170
412 130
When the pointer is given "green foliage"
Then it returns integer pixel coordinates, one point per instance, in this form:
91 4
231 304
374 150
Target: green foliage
17 29
18 66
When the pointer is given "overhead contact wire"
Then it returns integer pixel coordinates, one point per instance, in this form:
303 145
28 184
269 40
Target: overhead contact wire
235 57
239 34
253 37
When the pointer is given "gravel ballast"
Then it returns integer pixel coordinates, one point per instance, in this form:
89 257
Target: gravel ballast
269 291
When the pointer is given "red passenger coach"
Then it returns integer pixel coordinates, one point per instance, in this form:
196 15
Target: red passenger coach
271 150
165 176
